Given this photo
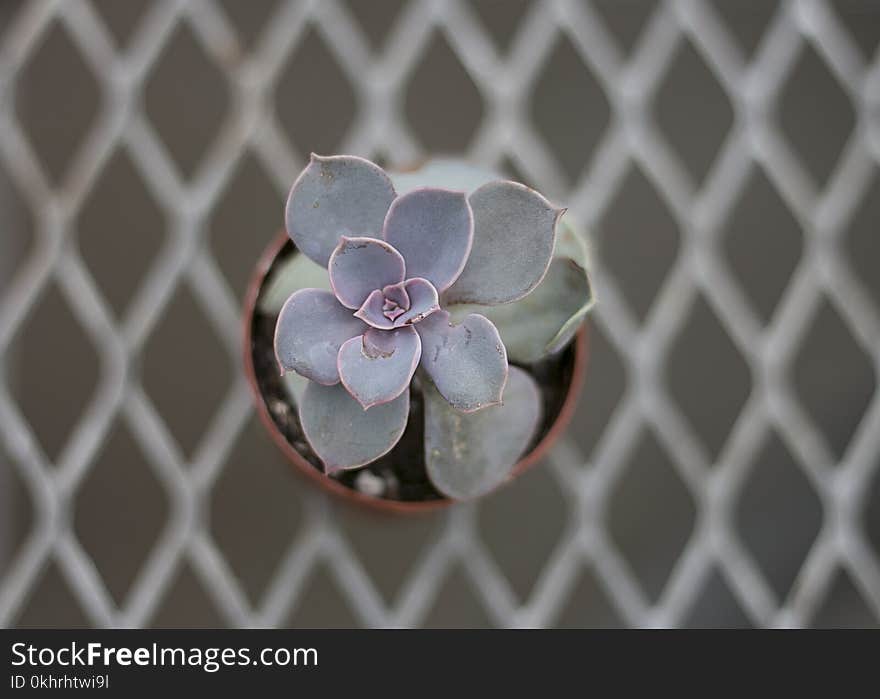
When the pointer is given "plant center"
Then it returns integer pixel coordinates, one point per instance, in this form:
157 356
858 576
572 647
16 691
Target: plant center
391 309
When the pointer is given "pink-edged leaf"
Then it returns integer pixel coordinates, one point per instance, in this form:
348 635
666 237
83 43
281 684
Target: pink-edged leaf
372 311
392 311
423 301
335 196
397 294
342 433
377 367
467 362
467 455
311 328
514 234
361 265
547 319
399 305
433 230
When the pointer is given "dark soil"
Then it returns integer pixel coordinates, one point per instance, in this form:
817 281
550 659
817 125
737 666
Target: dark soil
402 470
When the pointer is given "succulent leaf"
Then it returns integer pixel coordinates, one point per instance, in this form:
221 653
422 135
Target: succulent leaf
294 386
423 300
342 433
449 173
570 243
360 265
372 311
469 454
378 367
311 328
396 294
433 230
545 321
573 248
295 273
467 362
514 235
399 305
335 196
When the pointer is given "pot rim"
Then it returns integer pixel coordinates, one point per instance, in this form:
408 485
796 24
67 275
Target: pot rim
264 264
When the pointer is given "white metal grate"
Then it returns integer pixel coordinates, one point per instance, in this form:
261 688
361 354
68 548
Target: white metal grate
505 82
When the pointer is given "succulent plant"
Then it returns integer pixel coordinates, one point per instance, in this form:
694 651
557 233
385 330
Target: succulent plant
414 275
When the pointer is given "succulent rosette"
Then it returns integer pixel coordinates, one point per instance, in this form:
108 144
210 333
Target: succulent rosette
409 279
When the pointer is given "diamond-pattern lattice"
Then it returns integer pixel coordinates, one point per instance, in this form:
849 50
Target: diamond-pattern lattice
453 569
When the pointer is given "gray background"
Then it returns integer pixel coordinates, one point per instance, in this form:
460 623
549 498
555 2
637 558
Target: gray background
722 467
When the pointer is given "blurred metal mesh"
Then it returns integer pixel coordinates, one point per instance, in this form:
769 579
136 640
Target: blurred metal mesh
506 81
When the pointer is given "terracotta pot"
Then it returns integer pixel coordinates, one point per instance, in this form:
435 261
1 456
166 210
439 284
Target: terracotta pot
563 417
